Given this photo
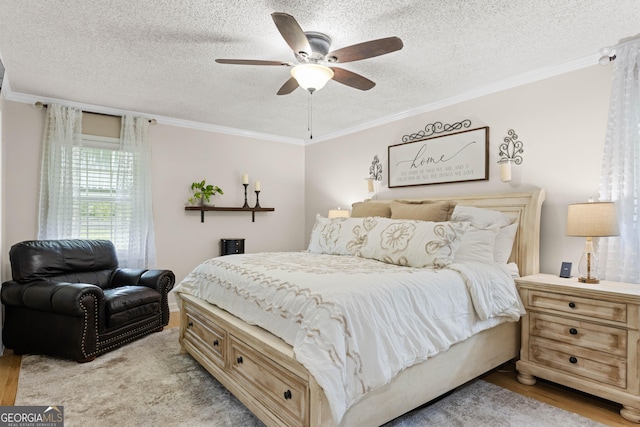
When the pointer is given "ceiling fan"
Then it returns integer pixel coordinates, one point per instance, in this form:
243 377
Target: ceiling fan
311 49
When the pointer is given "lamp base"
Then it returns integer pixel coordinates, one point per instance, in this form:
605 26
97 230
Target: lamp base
588 280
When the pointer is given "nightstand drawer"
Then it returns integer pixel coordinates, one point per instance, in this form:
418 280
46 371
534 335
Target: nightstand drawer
580 333
590 364
594 308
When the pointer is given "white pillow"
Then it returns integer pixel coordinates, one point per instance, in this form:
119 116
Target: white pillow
504 243
481 217
337 236
413 243
479 242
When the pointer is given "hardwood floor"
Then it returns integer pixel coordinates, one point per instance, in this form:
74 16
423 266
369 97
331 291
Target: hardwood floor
597 409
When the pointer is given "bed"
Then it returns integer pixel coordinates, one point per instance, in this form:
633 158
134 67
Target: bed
311 369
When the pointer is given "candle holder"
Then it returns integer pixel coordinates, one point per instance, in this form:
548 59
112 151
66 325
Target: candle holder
246 204
510 154
257 199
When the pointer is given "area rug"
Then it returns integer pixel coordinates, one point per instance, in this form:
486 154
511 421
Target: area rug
149 383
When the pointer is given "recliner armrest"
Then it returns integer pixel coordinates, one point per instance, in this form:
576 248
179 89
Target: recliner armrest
55 297
161 280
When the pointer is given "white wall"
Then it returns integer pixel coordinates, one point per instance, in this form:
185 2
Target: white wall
180 156
561 121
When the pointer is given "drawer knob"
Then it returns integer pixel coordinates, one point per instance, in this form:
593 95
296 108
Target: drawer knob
239 359
573 331
287 394
215 343
190 324
572 304
573 359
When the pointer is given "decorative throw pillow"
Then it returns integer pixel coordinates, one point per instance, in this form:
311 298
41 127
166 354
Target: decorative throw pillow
337 236
413 243
366 209
426 210
479 242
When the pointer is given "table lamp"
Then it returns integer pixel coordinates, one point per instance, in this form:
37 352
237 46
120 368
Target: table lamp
593 219
338 213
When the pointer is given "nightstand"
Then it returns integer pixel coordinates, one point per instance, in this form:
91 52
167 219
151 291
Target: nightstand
583 336
231 246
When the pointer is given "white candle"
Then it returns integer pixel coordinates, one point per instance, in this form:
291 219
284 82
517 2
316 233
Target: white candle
257 185
370 185
505 170
245 178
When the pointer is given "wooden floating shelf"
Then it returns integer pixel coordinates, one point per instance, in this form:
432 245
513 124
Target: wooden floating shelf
202 210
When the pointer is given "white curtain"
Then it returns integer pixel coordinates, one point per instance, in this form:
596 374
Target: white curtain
128 222
134 139
63 130
620 181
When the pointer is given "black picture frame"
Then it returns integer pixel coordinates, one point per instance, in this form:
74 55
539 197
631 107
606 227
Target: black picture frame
455 157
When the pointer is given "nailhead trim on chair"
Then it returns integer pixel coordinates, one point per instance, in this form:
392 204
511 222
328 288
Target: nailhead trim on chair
166 306
144 330
138 332
86 321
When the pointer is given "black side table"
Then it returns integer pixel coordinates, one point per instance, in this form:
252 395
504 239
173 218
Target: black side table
231 246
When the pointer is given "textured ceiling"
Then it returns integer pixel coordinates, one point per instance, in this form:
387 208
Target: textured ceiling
156 57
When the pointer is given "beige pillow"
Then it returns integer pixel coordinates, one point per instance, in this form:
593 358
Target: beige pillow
366 209
436 211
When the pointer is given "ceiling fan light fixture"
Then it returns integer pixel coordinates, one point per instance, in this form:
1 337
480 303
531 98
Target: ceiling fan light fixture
312 77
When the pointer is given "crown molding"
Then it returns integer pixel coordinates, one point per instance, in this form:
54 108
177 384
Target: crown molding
522 79
519 80
10 95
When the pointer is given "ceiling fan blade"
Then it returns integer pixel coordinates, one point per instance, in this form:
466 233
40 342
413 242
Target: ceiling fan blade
352 79
366 50
251 62
288 87
291 32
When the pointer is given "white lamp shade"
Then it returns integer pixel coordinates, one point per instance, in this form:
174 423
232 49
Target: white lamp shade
596 219
312 76
338 213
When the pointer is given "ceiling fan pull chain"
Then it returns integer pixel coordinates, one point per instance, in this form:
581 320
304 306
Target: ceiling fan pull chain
310 115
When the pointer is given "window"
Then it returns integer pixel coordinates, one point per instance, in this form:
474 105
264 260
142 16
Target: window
100 209
98 188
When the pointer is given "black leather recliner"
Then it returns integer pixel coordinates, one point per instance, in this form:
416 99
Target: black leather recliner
69 298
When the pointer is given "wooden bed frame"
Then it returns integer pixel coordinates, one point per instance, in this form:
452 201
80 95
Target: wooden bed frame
261 371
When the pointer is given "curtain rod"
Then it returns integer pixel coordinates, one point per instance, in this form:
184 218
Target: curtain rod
41 105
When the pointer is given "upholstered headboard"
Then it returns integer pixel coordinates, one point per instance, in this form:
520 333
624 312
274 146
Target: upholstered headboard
524 206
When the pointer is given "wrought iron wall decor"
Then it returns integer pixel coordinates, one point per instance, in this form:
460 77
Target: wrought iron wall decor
436 128
510 152
511 148
375 170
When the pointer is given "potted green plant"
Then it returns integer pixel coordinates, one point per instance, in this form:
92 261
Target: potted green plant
202 192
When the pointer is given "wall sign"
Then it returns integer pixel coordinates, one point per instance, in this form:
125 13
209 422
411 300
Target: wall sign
456 157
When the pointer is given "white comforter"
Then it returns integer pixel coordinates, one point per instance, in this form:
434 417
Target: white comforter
354 323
